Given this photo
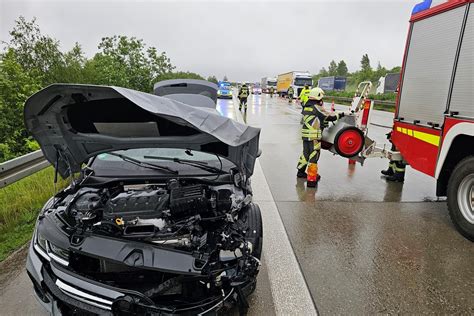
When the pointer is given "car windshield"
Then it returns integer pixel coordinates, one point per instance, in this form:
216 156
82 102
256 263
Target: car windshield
272 83
303 81
184 161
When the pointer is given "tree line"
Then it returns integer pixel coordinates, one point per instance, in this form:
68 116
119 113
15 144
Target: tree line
32 60
365 73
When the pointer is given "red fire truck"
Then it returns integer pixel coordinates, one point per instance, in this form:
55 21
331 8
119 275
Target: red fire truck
434 121
433 128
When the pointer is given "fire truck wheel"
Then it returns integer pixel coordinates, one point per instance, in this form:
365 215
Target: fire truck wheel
461 197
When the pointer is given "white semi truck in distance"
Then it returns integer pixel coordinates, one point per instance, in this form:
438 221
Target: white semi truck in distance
268 82
296 79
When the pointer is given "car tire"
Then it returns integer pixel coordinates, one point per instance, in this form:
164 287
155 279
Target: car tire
254 233
460 197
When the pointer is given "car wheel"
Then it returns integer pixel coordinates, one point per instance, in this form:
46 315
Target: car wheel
461 197
254 233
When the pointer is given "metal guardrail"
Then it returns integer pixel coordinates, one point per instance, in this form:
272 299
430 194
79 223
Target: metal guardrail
346 99
21 167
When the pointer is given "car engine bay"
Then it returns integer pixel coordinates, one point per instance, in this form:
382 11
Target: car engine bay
215 224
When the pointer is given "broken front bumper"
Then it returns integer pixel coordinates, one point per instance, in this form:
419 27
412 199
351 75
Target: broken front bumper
58 289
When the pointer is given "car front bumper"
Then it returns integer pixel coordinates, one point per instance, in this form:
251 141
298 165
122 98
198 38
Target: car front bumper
224 96
56 288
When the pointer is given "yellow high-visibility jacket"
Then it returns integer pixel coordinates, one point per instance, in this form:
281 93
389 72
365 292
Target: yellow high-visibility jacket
304 94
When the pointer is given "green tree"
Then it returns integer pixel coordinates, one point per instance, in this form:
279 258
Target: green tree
16 85
323 72
72 68
342 69
365 63
212 79
332 69
396 69
225 78
36 53
127 62
178 75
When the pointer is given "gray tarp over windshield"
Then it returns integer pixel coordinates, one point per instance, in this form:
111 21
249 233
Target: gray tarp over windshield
68 122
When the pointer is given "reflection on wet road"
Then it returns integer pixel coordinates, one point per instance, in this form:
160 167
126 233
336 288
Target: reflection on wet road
364 245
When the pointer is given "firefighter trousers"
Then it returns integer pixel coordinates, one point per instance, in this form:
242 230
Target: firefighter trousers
311 152
243 102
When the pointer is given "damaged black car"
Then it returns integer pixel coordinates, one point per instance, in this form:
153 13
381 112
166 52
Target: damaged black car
158 217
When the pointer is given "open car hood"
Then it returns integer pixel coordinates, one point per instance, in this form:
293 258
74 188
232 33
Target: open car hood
73 122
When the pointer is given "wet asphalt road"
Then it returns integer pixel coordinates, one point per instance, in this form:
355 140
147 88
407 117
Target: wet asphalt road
364 245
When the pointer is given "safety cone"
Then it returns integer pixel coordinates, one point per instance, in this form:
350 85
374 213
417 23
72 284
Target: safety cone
332 106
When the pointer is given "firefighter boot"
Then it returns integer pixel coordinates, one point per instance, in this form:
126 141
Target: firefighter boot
389 171
301 174
398 175
313 176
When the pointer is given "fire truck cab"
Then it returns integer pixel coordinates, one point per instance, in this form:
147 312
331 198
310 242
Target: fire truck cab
434 121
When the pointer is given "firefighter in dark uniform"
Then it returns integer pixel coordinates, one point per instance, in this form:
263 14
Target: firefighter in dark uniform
315 118
396 169
291 92
243 96
272 90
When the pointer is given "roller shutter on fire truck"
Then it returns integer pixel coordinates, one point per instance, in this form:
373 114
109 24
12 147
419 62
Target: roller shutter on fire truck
463 88
429 68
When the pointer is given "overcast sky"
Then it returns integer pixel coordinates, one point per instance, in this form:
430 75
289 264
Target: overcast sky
245 40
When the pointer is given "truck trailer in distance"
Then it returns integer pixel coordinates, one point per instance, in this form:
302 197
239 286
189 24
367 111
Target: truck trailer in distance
268 82
296 79
332 83
389 83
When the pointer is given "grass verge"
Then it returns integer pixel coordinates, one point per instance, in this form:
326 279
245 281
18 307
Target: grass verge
20 203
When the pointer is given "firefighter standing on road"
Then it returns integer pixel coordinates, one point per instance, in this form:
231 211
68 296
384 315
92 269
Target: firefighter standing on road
291 92
304 95
243 96
271 92
315 118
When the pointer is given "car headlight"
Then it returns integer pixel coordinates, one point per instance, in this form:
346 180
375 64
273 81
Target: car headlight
41 245
41 241
58 254
49 251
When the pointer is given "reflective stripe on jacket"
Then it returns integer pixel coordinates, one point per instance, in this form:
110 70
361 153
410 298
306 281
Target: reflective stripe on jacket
315 118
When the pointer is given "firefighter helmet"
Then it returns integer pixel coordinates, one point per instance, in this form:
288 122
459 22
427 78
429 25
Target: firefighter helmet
316 94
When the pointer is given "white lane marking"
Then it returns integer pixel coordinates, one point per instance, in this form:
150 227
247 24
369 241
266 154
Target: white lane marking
289 290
